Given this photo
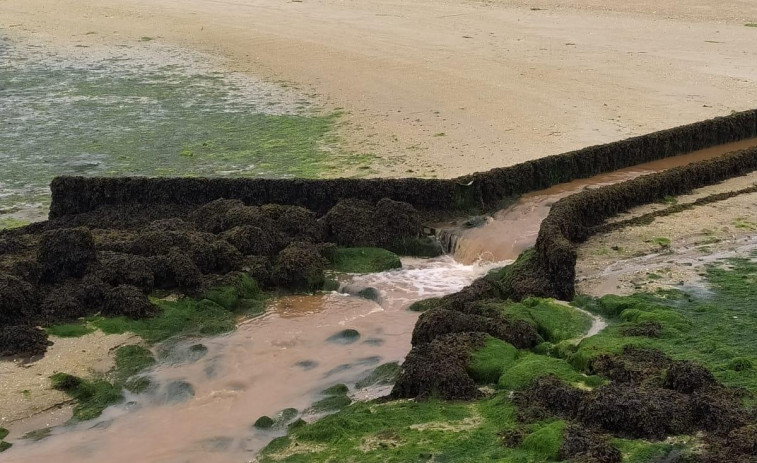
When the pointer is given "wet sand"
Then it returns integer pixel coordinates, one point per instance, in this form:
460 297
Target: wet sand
445 88
637 258
25 386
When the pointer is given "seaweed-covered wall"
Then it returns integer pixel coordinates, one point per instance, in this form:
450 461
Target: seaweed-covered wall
71 195
572 219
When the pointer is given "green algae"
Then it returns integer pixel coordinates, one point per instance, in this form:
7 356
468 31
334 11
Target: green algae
384 374
554 322
427 246
37 434
716 328
131 360
487 364
530 366
192 317
546 441
557 322
405 431
69 330
183 317
364 260
424 305
641 451
91 396
135 115
264 422
10 222
335 399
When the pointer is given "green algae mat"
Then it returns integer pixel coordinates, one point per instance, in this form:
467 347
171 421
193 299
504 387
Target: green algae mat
148 109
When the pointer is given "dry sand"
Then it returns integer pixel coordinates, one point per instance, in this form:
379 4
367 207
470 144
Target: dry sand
442 88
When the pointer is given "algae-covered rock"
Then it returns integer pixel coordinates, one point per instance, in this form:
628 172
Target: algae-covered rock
307 364
385 374
177 391
181 272
487 363
117 268
23 340
347 336
439 368
251 240
279 421
264 422
337 389
355 222
211 216
425 246
128 301
582 444
687 377
139 384
18 300
649 412
37 434
363 260
299 266
545 441
285 416
365 292
336 399
66 252
424 305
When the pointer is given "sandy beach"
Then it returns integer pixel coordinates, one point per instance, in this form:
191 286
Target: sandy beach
443 88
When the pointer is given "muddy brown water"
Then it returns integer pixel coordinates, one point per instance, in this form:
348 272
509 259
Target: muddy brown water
283 358
511 231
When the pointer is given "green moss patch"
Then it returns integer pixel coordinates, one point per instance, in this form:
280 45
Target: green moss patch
382 375
405 431
557 322
192 317
92 396
427 246
424 305
554 322
531 366
546 441
487 364
335 399
364 260
140 116
717 329
130 360
69 330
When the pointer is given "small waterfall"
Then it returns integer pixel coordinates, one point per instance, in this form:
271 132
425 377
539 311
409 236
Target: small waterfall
448 238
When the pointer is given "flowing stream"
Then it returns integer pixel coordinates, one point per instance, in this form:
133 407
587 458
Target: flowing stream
207 401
